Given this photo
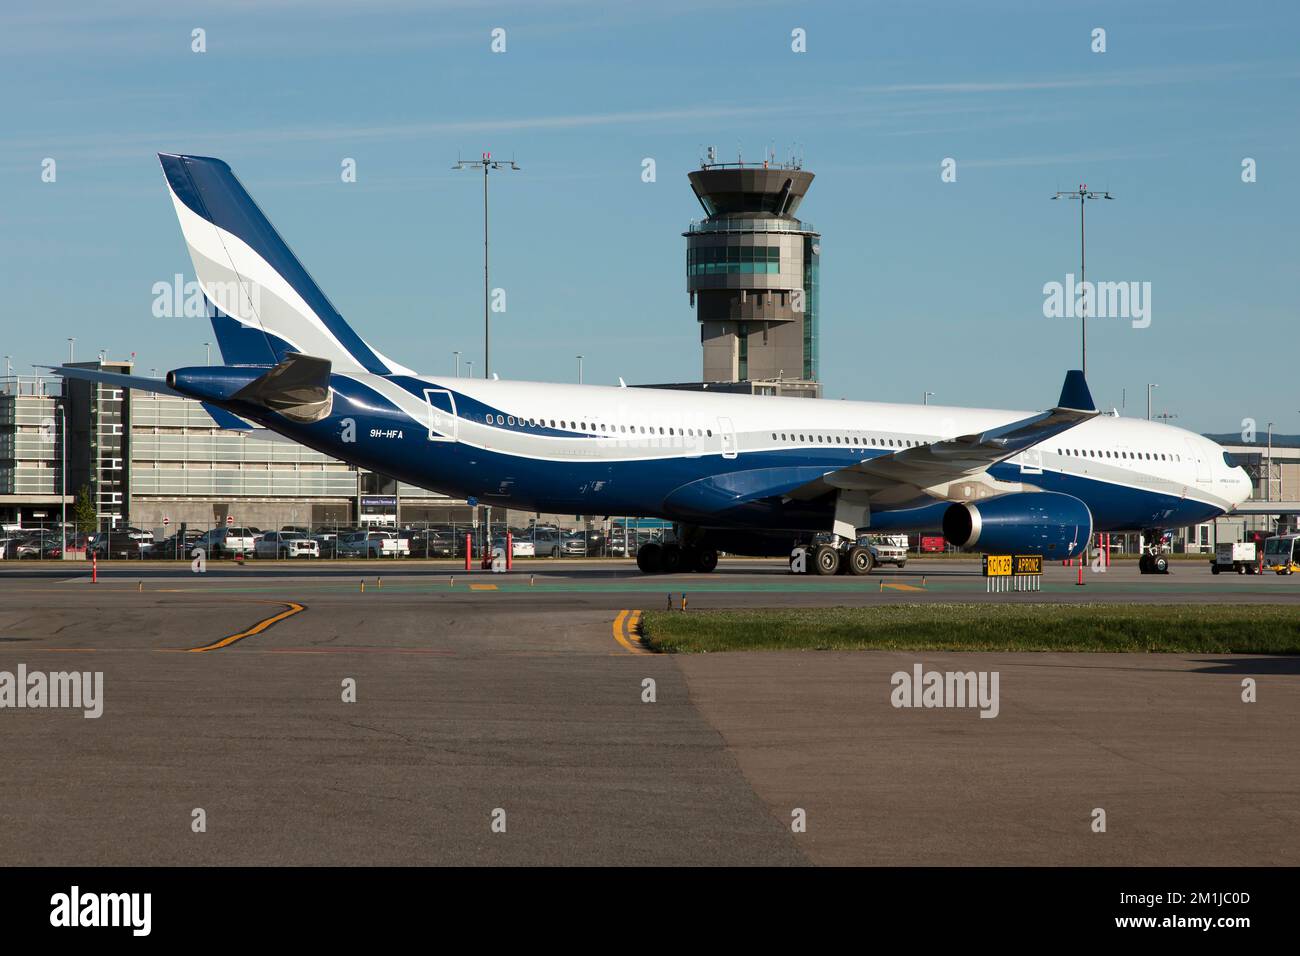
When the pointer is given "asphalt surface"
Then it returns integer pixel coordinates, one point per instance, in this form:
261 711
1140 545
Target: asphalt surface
481 693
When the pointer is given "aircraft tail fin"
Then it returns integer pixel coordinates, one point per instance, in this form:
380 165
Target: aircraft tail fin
263 304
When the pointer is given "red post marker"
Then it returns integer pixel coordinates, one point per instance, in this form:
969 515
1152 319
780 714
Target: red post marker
510 550
1080 581
469 553
94 567
1107 549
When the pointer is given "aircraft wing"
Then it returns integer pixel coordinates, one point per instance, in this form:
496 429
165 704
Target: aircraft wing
902 476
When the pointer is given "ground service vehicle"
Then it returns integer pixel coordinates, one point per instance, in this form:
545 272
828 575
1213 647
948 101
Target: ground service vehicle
1282 554
1238 556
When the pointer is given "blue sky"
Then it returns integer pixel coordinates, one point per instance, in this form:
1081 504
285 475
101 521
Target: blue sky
926 285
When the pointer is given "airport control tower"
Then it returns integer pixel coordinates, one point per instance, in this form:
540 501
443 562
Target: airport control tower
751 271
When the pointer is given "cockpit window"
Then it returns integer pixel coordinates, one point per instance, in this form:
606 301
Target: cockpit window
1229 460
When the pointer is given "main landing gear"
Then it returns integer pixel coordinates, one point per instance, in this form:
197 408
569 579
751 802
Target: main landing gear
671 558
829 558
1153 560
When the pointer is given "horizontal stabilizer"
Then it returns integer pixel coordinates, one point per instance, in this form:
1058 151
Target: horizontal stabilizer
298 388
114 379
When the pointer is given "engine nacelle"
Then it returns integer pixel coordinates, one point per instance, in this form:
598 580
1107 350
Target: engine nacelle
1045 522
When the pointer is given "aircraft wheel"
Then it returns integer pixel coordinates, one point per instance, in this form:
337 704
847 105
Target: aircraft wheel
706 559
1160 565
1214 569
648 558
860 560
826 559
1144 563
670 559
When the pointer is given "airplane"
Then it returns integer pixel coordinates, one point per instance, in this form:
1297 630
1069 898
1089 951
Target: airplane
745 474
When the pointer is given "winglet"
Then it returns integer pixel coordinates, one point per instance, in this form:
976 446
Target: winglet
1075 394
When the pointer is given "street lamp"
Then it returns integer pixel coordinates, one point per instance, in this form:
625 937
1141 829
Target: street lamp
926 399
63 476
457 354
487 164
1268 473
207 353
71 343
1149 387
469 369
579 369
1083 195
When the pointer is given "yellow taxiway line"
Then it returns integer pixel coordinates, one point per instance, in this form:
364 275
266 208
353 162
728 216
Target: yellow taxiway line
290 610
625 629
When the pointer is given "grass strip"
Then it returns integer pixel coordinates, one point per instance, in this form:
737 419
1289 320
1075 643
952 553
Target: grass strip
1133 628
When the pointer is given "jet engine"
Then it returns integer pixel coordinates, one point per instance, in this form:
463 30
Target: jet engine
1046 522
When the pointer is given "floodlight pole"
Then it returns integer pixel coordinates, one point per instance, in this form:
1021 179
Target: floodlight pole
487 164
1083 194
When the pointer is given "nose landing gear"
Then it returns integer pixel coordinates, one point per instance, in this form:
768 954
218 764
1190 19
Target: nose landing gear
1153 560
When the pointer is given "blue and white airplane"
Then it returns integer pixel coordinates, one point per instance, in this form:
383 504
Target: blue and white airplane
738 473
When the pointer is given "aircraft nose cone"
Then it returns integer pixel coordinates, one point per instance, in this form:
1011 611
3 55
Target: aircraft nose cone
1243 487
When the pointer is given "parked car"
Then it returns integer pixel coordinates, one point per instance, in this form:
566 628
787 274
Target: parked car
224 542
52 546
519 547
373 544
434 544
576 544
327 540
547 542
35 544
120 544
178 546
286 544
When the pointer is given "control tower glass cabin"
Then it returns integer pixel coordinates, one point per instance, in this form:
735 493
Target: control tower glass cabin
752 272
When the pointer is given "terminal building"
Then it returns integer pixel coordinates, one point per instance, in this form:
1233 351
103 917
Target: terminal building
146 457
752 273
31 451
